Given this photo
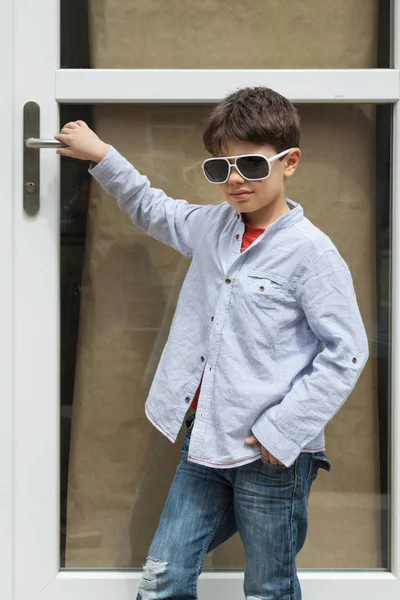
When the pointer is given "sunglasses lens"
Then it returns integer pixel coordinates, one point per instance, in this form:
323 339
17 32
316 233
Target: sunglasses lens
253 167
216 170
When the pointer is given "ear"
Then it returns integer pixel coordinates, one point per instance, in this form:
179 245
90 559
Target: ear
291 162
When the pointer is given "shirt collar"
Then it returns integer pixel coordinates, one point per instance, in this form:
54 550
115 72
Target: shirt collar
288 219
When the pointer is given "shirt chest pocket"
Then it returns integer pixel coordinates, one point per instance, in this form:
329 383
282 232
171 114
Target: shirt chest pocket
268 291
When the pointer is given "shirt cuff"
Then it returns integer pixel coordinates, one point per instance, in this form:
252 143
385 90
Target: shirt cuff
105 169
274 441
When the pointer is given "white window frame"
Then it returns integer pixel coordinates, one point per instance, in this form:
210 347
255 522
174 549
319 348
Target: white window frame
29 313
202 86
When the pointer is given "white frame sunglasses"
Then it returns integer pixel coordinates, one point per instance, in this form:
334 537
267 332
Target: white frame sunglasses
226 159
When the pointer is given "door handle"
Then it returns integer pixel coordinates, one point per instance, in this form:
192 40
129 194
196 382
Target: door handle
31 170
37 144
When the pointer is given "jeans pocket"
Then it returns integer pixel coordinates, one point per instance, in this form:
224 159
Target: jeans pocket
276 467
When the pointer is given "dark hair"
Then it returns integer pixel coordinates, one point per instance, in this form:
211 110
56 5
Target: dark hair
257 115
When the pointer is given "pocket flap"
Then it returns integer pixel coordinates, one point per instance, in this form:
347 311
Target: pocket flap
270 276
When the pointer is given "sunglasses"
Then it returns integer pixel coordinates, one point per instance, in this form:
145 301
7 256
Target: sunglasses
253 167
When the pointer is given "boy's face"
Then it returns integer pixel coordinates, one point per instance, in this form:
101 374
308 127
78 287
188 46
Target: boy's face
251 196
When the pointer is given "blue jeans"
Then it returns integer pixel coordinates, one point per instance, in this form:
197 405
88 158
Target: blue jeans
267 504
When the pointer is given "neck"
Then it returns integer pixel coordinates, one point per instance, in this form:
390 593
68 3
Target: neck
264 217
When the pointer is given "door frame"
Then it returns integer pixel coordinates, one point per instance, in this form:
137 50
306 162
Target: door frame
6 304
29 304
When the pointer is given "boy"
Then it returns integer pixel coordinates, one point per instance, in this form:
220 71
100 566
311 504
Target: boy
266 344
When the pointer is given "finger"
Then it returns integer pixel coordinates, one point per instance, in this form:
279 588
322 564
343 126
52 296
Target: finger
265 455
65 152
271 458
69 129
251 440
71 125
81 123
62 137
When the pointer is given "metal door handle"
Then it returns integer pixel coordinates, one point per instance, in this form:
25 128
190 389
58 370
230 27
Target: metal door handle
31 141
37 143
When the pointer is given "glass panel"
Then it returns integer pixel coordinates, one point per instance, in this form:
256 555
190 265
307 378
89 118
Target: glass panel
119 291
247 34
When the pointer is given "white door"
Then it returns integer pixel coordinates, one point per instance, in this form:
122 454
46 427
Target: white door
82 473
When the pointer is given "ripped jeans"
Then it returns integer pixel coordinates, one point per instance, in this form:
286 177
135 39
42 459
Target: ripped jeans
266 504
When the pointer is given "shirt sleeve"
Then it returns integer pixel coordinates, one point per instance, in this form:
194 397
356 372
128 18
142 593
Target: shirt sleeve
173 222
329 303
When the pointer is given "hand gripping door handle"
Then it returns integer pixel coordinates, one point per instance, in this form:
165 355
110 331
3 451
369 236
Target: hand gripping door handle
32 142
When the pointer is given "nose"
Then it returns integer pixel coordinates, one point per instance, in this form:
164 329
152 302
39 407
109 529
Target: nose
234 176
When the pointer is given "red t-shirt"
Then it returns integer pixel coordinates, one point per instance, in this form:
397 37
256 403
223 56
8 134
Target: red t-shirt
249 236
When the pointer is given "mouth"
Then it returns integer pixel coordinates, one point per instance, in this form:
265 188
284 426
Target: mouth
240 194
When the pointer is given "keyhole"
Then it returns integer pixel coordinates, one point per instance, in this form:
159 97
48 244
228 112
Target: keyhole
30 187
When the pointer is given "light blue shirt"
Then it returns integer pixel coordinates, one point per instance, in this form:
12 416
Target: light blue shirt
276 329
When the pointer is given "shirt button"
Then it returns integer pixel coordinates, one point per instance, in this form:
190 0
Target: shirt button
202 358
262 288
212 319
187 399
354 360
227 281
237 236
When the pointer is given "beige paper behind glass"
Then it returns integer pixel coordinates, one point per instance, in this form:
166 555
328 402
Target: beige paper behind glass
241 34
120 467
